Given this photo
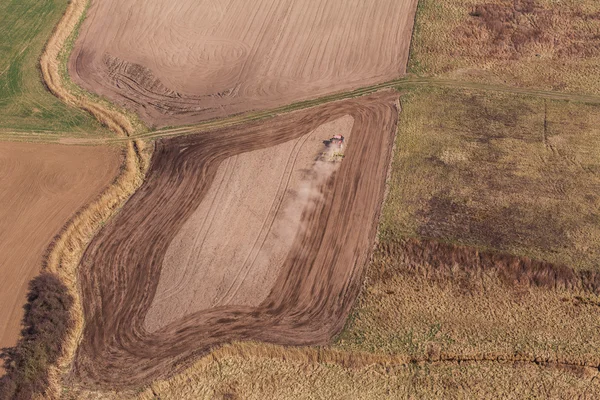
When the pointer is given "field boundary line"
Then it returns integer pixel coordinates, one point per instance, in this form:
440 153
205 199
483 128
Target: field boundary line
64 254
121 125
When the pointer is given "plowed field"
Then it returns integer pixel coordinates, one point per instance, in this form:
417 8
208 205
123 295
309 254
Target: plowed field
41 187
315 279
187 61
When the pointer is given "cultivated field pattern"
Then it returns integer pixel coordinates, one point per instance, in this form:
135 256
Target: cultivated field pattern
230 250
186 61
317 281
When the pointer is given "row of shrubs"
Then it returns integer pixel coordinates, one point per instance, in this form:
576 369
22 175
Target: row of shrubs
45 325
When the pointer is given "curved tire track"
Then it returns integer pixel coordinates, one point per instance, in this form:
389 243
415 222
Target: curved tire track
319 280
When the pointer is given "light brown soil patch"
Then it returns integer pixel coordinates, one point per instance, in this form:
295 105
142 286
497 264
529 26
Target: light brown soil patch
42 186
316 284
194 60
231 249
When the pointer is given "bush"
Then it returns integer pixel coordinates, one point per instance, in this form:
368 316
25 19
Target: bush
45 325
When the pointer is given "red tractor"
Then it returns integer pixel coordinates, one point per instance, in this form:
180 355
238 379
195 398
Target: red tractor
337 141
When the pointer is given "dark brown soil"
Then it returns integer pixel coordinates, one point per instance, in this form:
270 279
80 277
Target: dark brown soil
318 282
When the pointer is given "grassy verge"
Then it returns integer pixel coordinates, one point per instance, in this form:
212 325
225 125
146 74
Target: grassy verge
25 104
532 43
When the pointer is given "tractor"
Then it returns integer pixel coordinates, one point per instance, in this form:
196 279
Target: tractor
335 148
337 141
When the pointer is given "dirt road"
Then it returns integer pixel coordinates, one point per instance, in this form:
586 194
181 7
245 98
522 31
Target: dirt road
42 185
316 284
189 61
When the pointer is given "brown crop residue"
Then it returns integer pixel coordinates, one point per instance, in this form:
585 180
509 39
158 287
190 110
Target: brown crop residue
440 260
526 27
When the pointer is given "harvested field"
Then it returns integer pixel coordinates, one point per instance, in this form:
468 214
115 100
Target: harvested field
192 61
543 44
42 186
316 284
501 172
230 250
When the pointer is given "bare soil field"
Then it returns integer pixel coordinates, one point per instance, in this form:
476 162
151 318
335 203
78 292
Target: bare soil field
42 186
191 61
230 250
544 44
314 289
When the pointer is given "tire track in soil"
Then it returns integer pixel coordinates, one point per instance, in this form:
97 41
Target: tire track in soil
314 291
265 230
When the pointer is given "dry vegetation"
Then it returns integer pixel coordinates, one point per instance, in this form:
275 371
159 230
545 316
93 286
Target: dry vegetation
258 371
535 43
499 172
423 310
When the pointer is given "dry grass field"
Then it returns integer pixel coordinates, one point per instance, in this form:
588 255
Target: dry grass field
501 172
255 372
534 43
415 309
42 186
192 61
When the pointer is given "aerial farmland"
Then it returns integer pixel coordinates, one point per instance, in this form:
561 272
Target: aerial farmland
299 199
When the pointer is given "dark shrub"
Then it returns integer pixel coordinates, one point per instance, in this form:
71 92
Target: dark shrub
45 325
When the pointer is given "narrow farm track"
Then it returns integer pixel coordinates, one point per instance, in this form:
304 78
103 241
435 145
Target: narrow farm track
402 83
312 295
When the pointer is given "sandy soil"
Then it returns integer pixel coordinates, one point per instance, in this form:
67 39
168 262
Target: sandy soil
231 249
42 185
190 60
314 288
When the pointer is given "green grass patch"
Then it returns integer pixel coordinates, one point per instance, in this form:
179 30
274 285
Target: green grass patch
25 103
